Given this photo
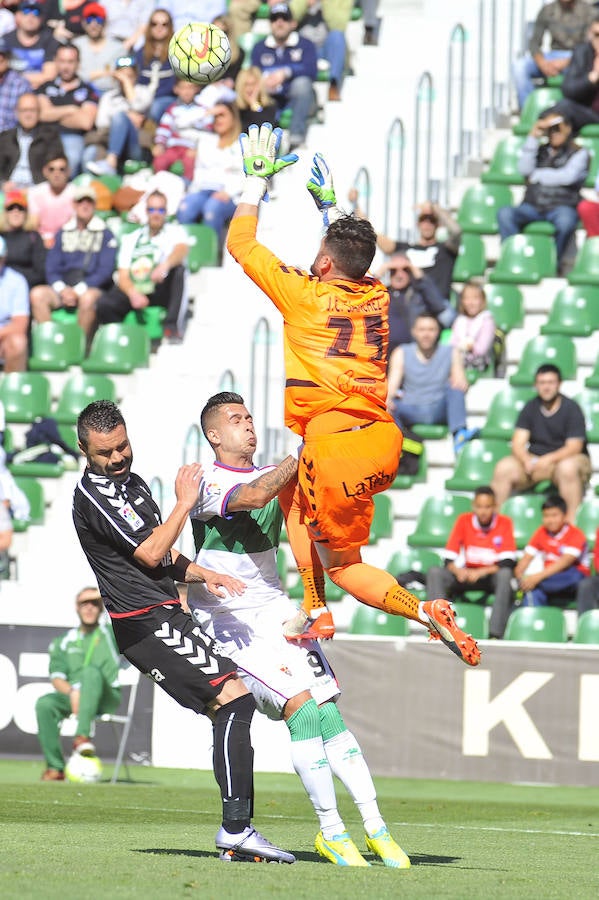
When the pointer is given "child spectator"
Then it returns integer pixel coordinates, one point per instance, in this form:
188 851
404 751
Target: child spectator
176 137
563 550
473 331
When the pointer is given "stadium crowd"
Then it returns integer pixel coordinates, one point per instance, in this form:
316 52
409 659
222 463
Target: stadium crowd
88 99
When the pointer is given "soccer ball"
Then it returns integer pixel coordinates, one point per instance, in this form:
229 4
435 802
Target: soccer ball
83 769
199 52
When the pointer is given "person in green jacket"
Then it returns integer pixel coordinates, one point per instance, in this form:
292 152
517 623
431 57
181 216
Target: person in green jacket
84 670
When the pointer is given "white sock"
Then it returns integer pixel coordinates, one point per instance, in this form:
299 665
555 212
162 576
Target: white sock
311 764
348 764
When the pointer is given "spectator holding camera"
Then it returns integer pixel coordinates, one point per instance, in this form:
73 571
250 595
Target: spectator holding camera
555 168
411 293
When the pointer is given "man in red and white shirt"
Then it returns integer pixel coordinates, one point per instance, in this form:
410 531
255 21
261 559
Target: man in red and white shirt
480 555
564 553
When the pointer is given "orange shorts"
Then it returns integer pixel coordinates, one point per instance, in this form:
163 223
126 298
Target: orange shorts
338 476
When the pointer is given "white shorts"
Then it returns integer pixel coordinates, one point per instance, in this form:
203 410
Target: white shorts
272 669
275 671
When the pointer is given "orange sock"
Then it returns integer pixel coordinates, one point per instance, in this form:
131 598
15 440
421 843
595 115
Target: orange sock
377 588
308 562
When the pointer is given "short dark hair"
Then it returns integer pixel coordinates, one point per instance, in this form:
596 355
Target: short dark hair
485 490
554 501
549 368
214 403
101 415
67 46
352 244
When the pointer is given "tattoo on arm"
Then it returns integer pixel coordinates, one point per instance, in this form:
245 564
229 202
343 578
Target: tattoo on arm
266 486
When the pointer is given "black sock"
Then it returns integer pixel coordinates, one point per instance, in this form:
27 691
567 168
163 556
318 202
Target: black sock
234 761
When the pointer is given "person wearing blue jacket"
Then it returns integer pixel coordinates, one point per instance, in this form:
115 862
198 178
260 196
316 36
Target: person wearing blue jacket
79 266
289 66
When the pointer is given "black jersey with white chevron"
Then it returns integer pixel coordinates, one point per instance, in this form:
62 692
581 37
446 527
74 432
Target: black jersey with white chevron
112 520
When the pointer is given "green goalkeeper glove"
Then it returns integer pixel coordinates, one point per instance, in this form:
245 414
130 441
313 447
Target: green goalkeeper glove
259 149
321 188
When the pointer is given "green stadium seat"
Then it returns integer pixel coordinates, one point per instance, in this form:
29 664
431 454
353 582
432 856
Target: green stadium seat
551 348
471 261
537 102
476 463
587 628
525 512
506 303
592 145
368 620
436 519
503 412
592 380
118 349
586 266
588 401
525 259
151 318
55 346
414 559
382 522
540 228
80 390
574 311
472 619
537 623
478 208
26 396
503 168
34 492
587 519
203 246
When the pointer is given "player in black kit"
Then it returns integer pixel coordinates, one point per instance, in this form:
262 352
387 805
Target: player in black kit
131 553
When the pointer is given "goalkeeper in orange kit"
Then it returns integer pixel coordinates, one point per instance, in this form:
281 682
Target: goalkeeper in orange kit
335 340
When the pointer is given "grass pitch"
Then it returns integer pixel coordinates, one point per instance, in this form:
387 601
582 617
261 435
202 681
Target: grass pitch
154 839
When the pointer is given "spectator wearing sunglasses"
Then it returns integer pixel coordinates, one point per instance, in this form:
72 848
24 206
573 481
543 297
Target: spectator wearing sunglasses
25 149
51 202
97 49
32 44
433 254
411 293
152 58
151 272
25 251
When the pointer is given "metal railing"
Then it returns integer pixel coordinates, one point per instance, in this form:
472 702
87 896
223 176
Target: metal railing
362 186
425 96
396 145
259 383
454 125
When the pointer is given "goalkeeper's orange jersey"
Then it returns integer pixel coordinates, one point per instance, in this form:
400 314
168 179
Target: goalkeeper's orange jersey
335 334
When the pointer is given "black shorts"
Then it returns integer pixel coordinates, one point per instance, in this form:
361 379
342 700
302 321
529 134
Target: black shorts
181 660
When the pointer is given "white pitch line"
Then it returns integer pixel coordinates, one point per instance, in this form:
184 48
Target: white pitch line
444 826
